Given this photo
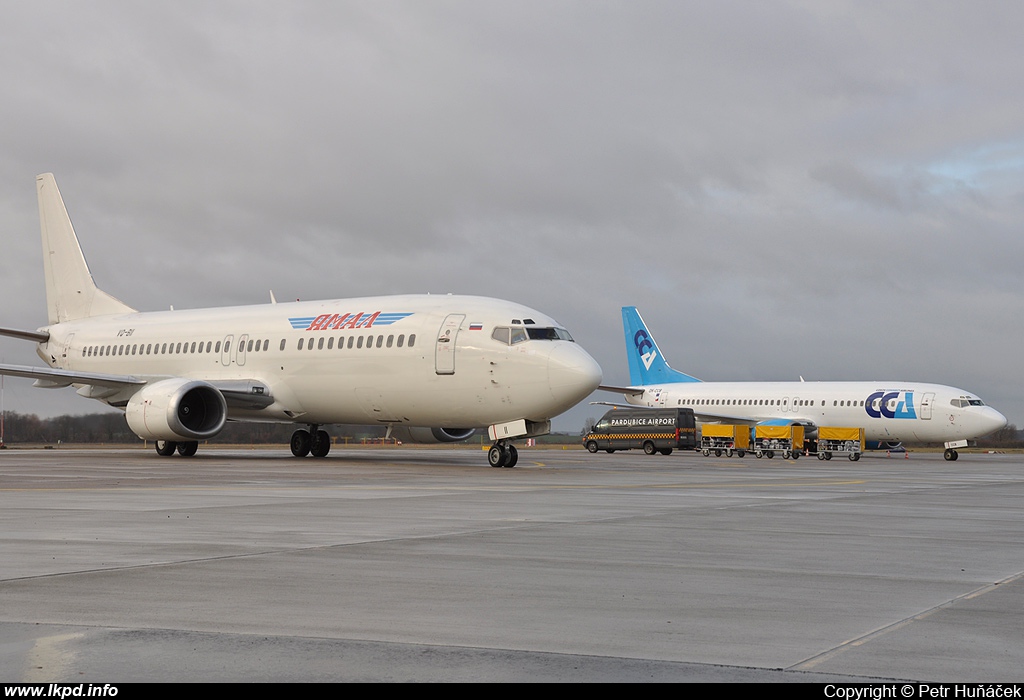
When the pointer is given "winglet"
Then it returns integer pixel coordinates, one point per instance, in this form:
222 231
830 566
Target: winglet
70 291
646 362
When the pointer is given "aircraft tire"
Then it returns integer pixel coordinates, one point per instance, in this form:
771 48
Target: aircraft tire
950 455
188 449
513 457
166 448
496 456
301 442
321 444
592 447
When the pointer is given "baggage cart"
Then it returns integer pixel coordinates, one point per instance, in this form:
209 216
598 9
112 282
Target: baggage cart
841 441
727 439
787 440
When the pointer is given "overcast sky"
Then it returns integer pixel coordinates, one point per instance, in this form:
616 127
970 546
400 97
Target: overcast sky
833 190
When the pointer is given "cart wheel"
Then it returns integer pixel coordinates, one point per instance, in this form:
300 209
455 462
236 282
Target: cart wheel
821 456
758 454
828 456
741 453
706 453
728 453
718 453
855 456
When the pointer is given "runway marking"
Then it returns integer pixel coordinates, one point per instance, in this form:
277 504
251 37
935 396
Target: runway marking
814 661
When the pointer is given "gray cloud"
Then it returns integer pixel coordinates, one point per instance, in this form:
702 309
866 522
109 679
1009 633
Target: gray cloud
827 189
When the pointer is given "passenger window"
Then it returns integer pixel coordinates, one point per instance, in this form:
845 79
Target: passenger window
301 341
390 340
283 341
330 343
359 342
401 339
412 339
320 345
266 344
380 340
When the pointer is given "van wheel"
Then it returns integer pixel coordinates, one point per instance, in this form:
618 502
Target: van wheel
609 450
591 447
667 451
649 448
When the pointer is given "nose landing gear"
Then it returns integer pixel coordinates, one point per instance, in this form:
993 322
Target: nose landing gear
503 454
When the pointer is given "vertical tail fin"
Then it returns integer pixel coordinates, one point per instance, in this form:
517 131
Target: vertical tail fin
646 363
70 291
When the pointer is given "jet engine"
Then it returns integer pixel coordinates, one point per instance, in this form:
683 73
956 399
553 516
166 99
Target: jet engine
176 409
431 435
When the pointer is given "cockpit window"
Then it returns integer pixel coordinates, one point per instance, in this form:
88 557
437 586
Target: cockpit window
962 403
519 334
549 334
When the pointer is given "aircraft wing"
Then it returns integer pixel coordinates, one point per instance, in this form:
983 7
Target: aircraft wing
54 378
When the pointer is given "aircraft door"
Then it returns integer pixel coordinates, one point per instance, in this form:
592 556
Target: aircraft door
444 350
240 352
926 406
66 350
225 354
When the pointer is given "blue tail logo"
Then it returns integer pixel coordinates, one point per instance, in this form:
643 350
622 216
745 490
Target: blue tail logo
646 361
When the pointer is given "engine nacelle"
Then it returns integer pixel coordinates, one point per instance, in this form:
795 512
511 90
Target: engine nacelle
431 435
176 409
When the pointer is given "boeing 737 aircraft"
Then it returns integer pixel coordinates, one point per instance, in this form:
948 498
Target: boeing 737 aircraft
891 412
431 368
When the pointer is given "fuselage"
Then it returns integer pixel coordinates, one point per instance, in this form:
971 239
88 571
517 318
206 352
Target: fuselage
420 360
889 411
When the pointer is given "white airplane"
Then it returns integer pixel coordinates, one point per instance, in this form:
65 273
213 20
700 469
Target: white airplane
891 412
432 368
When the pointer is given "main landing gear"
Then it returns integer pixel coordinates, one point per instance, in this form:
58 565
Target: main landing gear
503 454
314 441
166 448
950 455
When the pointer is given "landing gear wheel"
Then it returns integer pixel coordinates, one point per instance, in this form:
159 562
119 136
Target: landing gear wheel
188 449
591 447
950 455
649 448
513 456
497 456
301 442
321 444
165 448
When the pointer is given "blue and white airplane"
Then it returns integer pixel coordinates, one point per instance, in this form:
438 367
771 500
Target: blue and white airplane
431 368
891 412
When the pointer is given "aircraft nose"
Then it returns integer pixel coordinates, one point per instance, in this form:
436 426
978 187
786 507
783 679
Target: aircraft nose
572 374
991 420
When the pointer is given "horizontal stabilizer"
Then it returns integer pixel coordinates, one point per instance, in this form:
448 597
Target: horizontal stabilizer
37 336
